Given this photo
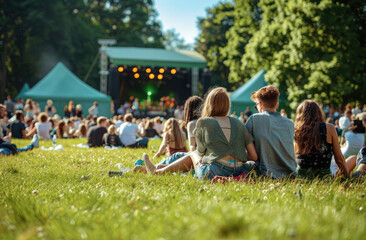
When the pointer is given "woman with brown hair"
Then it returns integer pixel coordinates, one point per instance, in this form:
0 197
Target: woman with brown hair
223 143
61 129
315 142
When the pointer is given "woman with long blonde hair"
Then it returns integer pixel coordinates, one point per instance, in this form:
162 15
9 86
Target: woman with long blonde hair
315 142
174 139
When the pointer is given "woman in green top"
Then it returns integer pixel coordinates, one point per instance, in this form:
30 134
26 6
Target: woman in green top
223 143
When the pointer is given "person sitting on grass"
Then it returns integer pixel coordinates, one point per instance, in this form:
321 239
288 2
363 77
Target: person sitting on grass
128 132
273 136
95 134
150 132
6 148
42 127
16 129
111 139
223 143
192 109
174 139
316 142
358 161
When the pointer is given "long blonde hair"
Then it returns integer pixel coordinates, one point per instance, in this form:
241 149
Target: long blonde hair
174 133
217 103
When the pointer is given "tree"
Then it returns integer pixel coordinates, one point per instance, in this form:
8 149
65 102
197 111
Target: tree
311 49
212 40
246 19
173 41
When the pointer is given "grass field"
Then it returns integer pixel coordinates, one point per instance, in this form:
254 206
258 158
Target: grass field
69 195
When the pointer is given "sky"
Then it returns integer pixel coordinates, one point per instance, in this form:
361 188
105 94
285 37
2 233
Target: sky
182 15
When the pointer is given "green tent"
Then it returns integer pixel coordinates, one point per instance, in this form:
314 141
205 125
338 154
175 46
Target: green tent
61 85
240 98
155 57
24 89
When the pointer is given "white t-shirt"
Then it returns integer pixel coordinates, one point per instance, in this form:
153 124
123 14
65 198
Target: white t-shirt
43 130
344 122
158 127
354 142
128 132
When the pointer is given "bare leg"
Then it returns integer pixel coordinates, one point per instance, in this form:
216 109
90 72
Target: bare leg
183 164
362 168
143 168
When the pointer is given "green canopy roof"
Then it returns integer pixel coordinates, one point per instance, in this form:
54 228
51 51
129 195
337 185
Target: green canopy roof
155 57
242 94
61 83
24 89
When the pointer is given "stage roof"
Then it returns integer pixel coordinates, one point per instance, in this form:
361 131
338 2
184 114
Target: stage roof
155 57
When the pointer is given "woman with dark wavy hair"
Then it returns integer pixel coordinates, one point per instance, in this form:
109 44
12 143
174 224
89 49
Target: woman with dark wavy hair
316 142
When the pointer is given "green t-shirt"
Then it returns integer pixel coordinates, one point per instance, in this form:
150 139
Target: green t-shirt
212 143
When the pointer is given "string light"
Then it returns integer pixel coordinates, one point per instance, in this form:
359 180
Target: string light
173 71
136 75
134 69
160 76
148 70
120 69
161 70
151 76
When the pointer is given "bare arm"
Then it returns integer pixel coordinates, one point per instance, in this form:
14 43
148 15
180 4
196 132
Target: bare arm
31 133
338 156
252 153
162 146
191 138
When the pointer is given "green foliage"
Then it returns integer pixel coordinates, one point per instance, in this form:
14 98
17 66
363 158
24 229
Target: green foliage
68 195
212 40
173 41
309 49
37 34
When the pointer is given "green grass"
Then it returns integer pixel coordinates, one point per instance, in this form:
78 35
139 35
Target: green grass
45 195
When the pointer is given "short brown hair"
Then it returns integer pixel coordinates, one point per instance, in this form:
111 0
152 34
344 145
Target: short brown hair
268 96
43 117
128 117
217 103
19 114
100 120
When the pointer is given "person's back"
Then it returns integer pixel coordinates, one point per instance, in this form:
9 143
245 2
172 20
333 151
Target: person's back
128 131
16 128
273 135
273 140
95 134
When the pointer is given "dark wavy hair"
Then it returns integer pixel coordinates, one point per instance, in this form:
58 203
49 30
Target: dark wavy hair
192 108
308 117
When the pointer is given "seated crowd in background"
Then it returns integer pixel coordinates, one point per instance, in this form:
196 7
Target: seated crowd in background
277 146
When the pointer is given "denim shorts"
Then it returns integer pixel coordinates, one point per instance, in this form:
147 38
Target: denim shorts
173 158
224 167
361 156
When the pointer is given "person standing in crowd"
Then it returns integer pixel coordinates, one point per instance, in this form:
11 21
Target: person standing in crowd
71 109
315 142
49 108
10 106
28 108
79 111
128 132
95 134
93 110
135 107
357 109
19 105
248 112
273 135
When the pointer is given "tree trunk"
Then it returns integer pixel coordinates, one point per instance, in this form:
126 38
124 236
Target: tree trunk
3 67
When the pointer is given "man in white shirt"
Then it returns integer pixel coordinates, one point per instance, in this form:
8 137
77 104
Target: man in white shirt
128 132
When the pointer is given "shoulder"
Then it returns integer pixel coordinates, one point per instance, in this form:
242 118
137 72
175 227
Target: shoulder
330 129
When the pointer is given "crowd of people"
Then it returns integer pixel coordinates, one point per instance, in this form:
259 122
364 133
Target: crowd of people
265 143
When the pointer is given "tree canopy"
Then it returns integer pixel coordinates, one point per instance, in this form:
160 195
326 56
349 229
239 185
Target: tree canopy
310 49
